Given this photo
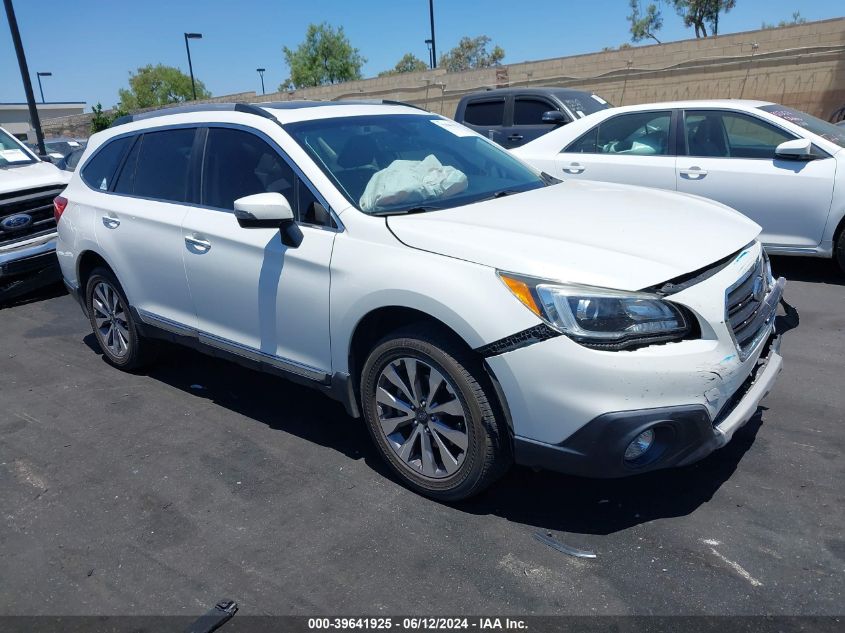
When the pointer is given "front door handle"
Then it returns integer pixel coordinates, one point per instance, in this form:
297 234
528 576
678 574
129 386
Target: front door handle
197 245
110 222
574 168
693 173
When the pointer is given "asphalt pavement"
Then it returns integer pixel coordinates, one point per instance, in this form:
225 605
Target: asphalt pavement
168 490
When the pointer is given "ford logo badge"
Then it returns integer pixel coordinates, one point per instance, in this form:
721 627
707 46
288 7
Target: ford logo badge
758 290
16 222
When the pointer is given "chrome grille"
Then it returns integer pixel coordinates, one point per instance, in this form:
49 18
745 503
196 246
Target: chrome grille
37 204
744 302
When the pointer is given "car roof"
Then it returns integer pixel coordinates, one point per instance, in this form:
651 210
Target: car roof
529 90
691 103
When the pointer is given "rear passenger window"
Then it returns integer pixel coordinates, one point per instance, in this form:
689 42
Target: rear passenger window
485 112
239 164
530 111
125 182
163 168
634 134
587 144
100 170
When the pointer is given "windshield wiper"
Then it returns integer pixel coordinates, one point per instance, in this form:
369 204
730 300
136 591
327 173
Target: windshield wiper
500 194
420 209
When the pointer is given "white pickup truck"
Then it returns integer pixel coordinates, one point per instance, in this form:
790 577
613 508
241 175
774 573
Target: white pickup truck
27 226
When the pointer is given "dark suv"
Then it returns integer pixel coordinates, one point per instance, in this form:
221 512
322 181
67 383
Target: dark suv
514 116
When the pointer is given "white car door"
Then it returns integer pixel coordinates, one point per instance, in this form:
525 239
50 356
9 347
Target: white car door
139 224
253 295
731 159
633 148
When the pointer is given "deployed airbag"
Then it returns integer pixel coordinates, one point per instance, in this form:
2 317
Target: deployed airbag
409 181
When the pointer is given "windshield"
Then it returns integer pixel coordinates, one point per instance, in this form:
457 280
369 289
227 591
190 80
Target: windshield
11 153
827 131
61 147
402 163
583 105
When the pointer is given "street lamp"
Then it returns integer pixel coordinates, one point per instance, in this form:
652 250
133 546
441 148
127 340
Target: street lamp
40 88
25 77
192 36
433 48
260 72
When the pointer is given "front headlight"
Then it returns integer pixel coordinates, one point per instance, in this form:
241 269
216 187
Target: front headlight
598 317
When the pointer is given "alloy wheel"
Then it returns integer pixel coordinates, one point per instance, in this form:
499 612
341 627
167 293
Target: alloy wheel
422 418
110 318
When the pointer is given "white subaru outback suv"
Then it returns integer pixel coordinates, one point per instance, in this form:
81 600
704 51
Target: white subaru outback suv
475 311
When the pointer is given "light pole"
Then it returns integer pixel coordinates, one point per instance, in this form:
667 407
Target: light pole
260 72
433 48
40 88
430 56
27 81
192 36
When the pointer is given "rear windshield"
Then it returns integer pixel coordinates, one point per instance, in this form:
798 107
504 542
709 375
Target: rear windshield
11 152
582 105
827 131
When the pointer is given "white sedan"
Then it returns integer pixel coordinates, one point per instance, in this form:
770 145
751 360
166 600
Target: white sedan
782 168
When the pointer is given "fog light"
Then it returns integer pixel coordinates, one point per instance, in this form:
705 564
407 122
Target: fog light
639 446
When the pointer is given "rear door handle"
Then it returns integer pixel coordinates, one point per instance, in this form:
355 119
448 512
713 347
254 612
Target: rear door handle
693 173
574 168
515 137
110 223
197 245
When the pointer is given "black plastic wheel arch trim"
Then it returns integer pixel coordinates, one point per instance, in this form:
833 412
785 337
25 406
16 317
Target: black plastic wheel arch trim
538 333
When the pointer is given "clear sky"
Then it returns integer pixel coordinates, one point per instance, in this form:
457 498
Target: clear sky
90 46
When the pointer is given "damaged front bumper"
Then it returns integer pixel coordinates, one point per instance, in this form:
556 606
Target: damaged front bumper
576 410
684 434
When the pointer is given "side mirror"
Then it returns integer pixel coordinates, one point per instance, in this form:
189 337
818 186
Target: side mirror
554 117
799 149
268 211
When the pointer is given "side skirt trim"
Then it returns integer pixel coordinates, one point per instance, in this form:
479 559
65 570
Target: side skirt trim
285 364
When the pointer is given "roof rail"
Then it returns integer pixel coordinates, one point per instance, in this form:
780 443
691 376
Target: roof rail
294 104
247 108
250 108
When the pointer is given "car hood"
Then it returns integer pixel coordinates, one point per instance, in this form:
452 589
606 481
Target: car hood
600 234
29 176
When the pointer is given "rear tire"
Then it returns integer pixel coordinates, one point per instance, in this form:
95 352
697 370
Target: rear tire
113 324
431 411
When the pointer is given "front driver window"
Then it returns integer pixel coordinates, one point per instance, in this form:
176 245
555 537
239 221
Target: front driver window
239 164
731 135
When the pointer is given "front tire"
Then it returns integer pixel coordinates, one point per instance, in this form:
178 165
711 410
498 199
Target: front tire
430 410
113 324
839 251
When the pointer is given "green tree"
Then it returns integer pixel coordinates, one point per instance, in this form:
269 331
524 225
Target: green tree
796 19
701 13
325 57
644 26
409 63
158 85
101 120
470 53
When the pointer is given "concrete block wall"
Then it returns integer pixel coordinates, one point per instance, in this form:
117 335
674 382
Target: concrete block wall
801 66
